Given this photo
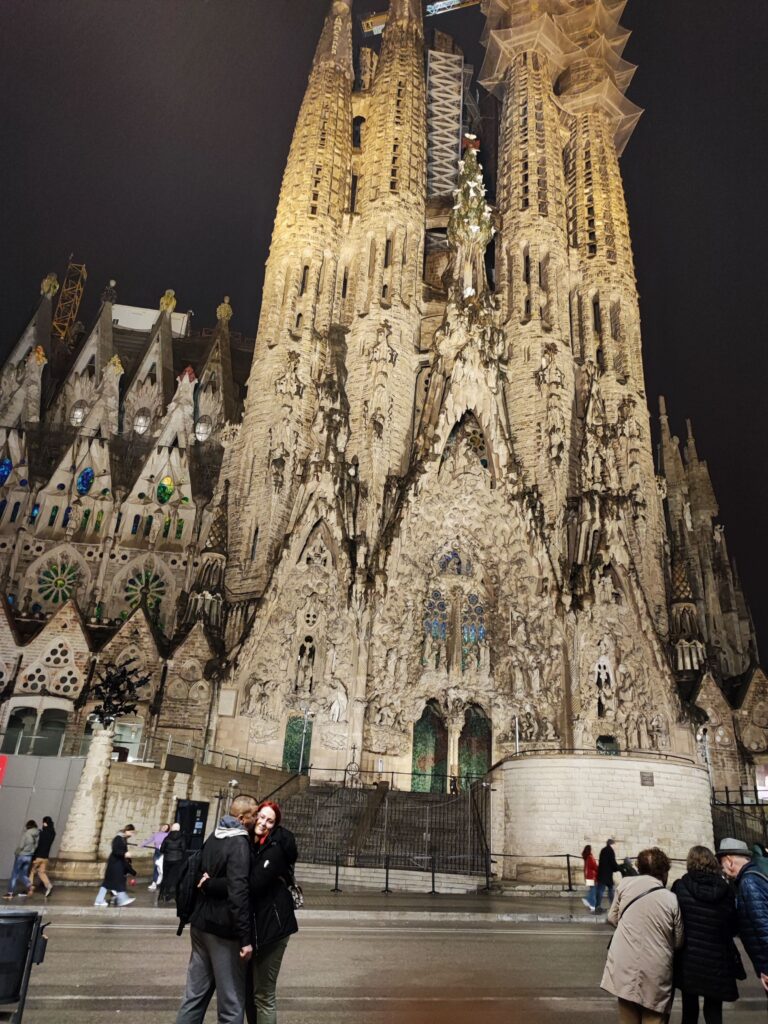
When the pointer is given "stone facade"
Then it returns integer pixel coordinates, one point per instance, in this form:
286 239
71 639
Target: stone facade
431 523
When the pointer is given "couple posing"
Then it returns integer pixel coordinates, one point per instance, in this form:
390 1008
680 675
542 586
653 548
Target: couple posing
242 918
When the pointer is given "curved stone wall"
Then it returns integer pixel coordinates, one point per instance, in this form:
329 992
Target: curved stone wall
557 804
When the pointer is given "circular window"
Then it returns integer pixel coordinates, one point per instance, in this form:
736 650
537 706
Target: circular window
203 428
5 469
165 489
141 421
85 480
78 413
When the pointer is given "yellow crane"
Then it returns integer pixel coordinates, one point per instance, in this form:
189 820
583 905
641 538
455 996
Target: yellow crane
373 24
69 300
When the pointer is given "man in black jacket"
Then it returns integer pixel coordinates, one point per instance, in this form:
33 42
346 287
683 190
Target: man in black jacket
221 929
607 866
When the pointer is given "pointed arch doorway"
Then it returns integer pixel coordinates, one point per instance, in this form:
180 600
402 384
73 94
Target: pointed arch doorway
430 751
474 745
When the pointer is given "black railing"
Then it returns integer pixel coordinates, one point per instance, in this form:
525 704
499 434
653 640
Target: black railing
371 827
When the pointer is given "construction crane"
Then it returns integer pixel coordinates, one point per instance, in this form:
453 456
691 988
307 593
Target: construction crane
373 24
70 297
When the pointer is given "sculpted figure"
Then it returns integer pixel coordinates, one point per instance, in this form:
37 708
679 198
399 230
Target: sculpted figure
339 703
224 311
168 301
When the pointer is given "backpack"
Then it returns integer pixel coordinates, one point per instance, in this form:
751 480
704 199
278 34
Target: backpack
186 888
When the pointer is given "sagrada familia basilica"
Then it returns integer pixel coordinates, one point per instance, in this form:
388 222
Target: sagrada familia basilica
428 517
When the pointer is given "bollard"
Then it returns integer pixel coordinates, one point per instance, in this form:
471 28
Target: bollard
487 870
568 865
386 875
433 891
336 886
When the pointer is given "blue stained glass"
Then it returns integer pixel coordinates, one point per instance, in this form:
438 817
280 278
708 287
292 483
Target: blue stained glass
85 481
5 469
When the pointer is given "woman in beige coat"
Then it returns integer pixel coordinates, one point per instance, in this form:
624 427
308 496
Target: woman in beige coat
649 928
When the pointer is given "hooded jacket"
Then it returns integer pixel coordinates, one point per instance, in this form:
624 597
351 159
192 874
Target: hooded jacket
607 866
270 873
45 842
752 908
28 842
226 857
706 965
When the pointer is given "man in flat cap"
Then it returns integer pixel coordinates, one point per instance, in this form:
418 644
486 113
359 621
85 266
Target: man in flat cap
751 902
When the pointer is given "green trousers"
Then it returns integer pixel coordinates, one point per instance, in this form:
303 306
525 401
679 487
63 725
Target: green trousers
261 1000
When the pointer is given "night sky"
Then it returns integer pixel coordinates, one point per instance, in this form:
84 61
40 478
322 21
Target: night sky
149 137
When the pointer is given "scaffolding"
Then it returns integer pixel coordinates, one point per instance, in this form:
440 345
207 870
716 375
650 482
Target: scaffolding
373 24
445 105
70 296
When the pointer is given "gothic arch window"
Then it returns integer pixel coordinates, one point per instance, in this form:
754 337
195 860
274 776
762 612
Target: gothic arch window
436 615
430 751
473 631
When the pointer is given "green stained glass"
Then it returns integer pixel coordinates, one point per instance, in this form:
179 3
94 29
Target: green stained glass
430 753
57 581
165 489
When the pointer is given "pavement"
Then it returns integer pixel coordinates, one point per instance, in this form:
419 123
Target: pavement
349 905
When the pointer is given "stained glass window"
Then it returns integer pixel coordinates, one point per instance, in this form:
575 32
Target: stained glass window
85 480
53 515
472 629
135 525
165 489
57 581
436 616
67 516
5 469
99 521
179 529
145 582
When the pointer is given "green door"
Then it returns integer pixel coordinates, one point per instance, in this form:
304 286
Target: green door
474 745
292 746
430 752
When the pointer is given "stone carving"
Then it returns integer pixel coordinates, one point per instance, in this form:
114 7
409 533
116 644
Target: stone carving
168 301
224 311
338 708
49 285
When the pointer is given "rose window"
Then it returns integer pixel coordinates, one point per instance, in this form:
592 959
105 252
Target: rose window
57 581
145 582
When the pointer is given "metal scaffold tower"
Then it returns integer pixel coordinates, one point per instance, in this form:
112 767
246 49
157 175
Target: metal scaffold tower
70 296
445 102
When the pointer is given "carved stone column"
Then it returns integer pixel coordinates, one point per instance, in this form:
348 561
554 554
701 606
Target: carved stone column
80 843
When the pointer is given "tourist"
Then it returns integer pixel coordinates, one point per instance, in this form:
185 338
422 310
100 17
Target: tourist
590 877
607 867
156 841
222 926
751 902
41 855
706 966
22 859
273 857
118 868
174 852
649 928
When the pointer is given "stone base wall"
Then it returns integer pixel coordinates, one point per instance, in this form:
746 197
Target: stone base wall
558 804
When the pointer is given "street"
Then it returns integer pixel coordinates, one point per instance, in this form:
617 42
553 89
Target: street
344 972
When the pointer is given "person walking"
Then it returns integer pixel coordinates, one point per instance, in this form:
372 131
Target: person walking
222 927
706 966
41 855
735 860
174 853
590 877
607 867
649 928
118 867
156 841
22 859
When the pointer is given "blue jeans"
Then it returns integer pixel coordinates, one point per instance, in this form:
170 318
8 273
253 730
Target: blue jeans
20 871
600 888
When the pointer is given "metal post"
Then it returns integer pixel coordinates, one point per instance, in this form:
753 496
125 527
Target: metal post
727 798
568 866
386 888
487 870
303 737
433 891
336 885
741 795
517 735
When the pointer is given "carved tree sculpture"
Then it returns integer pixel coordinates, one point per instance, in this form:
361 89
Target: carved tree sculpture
117 689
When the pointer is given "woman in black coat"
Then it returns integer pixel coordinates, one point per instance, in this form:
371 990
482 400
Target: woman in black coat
118 867
708 962
174 852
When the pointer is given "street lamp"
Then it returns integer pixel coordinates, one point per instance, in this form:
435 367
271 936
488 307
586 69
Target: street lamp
307 715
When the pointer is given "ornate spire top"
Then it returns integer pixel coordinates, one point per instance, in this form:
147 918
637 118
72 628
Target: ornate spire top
224 311
335 43
49 285
110 294
469 226
168 301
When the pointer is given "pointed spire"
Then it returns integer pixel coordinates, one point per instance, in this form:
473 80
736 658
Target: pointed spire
691 455
335 45
404 11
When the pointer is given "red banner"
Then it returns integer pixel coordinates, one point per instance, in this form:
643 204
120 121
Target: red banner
3 763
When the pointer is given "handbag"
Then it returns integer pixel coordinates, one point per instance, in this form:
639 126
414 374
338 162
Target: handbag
297 893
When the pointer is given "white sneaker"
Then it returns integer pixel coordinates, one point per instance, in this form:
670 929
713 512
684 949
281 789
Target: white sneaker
587 904
100 904
152 887
128 902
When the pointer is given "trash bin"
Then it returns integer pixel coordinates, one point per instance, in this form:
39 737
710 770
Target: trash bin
22 943
16 932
